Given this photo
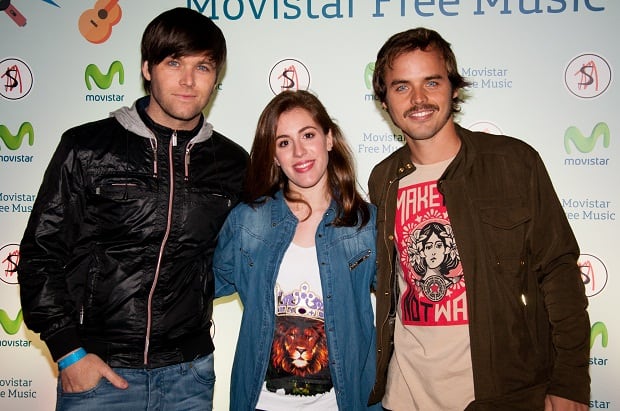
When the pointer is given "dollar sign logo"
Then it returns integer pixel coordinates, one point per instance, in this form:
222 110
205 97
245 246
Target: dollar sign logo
586 72
288 82
11 74
586 269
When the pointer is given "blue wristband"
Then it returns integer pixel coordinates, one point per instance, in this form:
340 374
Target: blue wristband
72 358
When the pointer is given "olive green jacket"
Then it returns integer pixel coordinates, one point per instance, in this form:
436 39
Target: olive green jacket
528 324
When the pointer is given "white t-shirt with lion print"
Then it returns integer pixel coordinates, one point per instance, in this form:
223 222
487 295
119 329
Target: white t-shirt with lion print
298 376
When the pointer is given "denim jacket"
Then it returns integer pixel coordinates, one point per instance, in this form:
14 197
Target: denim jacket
250 249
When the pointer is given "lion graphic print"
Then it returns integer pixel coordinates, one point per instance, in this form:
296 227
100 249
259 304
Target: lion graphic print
429 258
299 363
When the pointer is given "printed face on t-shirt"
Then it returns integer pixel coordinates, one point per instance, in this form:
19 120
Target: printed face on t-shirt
429 259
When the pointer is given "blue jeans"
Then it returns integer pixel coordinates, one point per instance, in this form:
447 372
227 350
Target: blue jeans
185 386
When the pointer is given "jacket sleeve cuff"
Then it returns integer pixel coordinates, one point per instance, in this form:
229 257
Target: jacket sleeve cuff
63 342
574 385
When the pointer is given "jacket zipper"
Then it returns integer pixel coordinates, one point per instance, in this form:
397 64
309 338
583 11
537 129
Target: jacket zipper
390 253
153 142
187 159
149 317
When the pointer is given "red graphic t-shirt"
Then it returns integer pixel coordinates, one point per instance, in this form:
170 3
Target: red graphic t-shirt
429 259
430 368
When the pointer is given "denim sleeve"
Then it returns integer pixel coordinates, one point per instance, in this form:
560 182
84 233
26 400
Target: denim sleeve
224 259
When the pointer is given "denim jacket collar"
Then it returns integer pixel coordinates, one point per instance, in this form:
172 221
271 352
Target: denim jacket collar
280 210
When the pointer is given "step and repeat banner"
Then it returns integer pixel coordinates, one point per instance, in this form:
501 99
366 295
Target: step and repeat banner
541 70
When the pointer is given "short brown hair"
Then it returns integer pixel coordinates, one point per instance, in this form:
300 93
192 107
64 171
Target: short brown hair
419 38
182 32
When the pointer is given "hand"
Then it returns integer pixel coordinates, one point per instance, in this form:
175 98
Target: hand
553 403
86 373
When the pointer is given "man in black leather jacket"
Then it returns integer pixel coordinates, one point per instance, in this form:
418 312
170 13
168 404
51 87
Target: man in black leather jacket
115 264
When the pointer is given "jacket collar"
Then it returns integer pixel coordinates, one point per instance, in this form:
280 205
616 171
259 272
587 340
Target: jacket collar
130 118
466 155
280 211
402 165
464 159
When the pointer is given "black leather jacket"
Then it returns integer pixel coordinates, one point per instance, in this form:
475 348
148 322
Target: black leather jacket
117 253
528 324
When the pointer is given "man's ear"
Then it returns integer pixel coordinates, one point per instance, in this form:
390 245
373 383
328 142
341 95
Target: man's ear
145 70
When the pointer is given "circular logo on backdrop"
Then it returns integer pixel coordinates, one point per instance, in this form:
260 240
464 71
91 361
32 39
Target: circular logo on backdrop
593 273
587 76
16 79
486 127
9 257
289 74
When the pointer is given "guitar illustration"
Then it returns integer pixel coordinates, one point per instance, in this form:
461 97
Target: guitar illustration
12 12
96 24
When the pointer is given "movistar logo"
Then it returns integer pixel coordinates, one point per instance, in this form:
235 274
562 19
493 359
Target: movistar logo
597 329
104 81
8 325
13 142
368 73
586 144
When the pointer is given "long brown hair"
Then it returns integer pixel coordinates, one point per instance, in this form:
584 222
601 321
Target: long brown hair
264 178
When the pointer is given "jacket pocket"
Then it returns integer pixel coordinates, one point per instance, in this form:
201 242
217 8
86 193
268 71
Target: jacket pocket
505 229
123 207
87 315
359 258
204 213
122 188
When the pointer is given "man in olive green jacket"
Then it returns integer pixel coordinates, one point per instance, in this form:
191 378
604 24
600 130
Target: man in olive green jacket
521 329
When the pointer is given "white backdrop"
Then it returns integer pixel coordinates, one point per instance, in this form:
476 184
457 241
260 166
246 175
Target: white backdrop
542 71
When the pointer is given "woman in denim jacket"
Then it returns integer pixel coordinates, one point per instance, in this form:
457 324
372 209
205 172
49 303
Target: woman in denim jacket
300 251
